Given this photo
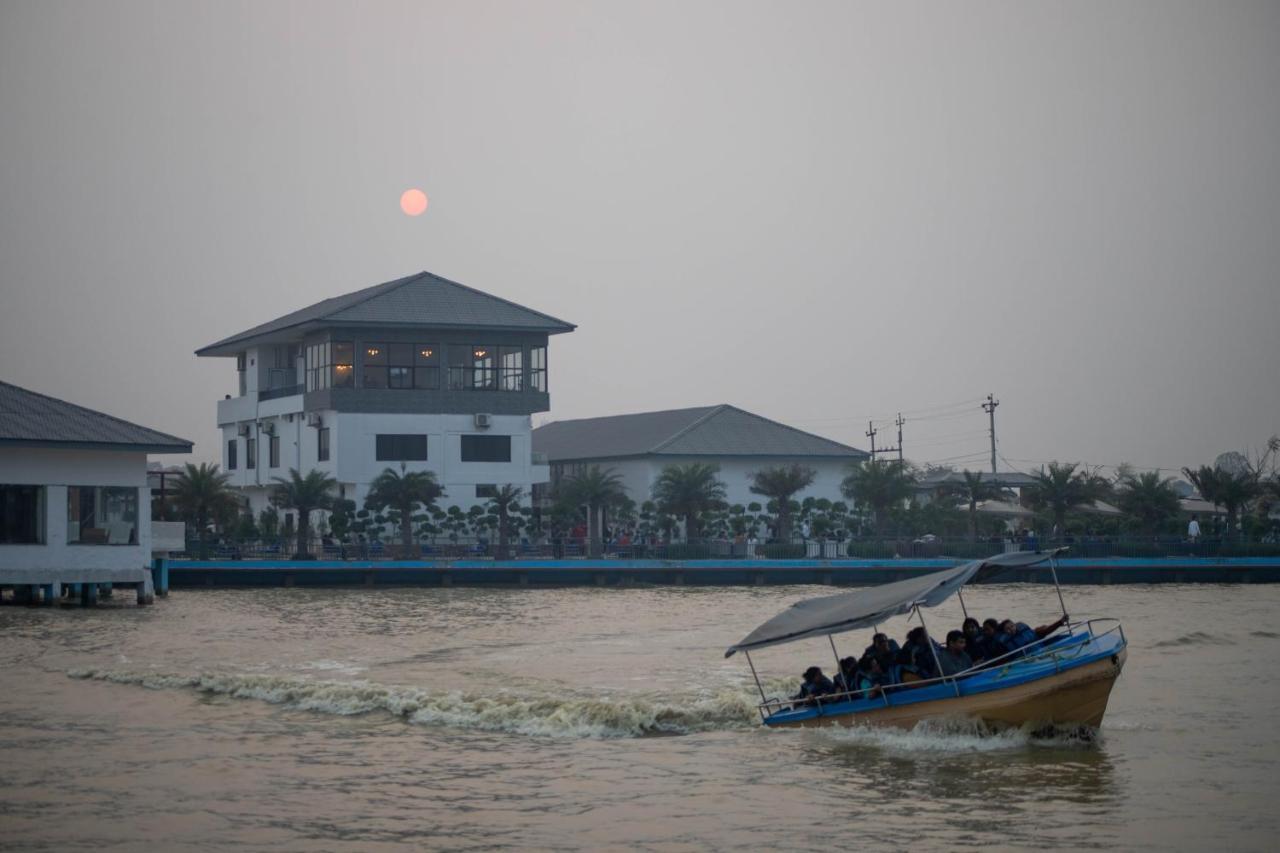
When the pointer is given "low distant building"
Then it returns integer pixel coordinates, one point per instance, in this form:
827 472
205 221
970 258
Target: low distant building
638 446
421 372
928 487
73 488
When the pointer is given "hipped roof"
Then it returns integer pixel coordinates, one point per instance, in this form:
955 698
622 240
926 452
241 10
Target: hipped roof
29 419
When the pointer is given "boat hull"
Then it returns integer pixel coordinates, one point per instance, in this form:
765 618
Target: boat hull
1075 697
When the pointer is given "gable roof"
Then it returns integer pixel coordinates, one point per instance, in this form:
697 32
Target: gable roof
423 299
722 430
34 420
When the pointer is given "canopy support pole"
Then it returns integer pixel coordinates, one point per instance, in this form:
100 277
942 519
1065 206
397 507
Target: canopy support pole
759 687
963 609
1053 559
933 648
832 640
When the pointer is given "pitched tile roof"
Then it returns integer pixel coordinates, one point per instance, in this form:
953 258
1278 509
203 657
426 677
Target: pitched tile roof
704 431
31 419
423 299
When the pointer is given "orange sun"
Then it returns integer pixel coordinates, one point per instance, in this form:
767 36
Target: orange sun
413 202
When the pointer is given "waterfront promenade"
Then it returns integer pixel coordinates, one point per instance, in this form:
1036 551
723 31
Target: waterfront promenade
609 572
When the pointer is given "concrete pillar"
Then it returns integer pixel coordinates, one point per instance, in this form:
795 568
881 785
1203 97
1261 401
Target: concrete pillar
146 591
88 594
52 593
23 594
160 575
105 590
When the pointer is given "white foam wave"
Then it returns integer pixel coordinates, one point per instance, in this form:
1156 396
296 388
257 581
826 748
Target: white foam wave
955 736
507 711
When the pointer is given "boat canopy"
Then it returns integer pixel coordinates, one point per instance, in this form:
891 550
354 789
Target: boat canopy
862 608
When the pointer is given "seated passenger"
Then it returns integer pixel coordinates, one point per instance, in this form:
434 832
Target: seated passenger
972 639
884 649
1016 635
871 676
815 684
846 680
953 658
917 646
988 645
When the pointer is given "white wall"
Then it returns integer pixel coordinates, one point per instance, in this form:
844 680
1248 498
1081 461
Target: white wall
352 462
58 469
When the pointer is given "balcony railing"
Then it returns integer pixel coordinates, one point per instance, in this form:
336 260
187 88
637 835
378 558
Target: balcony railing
277 393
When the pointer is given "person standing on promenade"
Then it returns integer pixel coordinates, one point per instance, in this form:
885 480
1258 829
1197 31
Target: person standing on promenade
1193 530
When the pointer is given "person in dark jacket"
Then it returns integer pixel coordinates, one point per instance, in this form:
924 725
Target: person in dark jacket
871 677
884 649
846 680
953 659
917 646
815 684
1017 635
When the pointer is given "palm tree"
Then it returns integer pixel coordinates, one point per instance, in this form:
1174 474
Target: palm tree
970 491
880 485
595 489
1148 499
1230 490
504 502
1063 488
779 483
401 492
201 495
688 491
304 494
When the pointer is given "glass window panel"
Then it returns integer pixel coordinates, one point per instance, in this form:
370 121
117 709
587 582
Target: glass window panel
21 515
459 364
251 453
375 353
486 448
344 376
399 377
102 515
395 447
322 444
344 353
511 376
426 378
426 354
375 377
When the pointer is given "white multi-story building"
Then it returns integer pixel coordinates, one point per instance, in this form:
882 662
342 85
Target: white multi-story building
421 372
637 447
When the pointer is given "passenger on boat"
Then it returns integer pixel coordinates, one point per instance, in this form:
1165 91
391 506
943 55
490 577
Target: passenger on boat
815 684
871 676
953 658
846 680
884 649
917 646
1016 635
987 646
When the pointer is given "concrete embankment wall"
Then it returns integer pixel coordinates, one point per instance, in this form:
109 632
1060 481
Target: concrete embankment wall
607 573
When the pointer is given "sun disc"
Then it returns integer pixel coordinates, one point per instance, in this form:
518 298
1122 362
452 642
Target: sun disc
413 202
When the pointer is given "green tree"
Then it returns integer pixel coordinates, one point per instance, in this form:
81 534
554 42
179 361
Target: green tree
1062 488
305 495
879 484
269 522
779 483
342 518
1231 490
401 492
505 506
972 490
595 490
689 491
201 494
1148 500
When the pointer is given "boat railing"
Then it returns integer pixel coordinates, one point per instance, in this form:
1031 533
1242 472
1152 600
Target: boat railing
1025 654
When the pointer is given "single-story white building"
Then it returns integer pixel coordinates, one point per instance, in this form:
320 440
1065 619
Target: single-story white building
638 446
74 502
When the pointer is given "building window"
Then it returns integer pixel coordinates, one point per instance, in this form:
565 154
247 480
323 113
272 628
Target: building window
472 367
486 448
375 366
511 368
240 374
538 369
400 365
318 366
426 367
344 365
231 455
401 448
486 490
21 515
102 515
251 453
273 452
322 444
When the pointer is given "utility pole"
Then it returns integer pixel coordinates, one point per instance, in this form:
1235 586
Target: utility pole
900 422
990 408
871 434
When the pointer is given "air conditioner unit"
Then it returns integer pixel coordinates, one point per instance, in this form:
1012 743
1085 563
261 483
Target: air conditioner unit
243 429
289 417
268 427
314 420
483 421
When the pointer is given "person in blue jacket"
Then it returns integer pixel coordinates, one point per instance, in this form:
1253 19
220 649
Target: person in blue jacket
1018 635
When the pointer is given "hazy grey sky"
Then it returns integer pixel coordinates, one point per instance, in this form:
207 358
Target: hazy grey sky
819 212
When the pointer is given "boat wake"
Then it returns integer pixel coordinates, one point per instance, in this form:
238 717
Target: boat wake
959 736
1195 638
562 715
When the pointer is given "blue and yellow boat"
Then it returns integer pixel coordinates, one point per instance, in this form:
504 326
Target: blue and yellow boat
1062 680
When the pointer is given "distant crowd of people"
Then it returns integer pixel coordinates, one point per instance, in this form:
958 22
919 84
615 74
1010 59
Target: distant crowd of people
885 665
